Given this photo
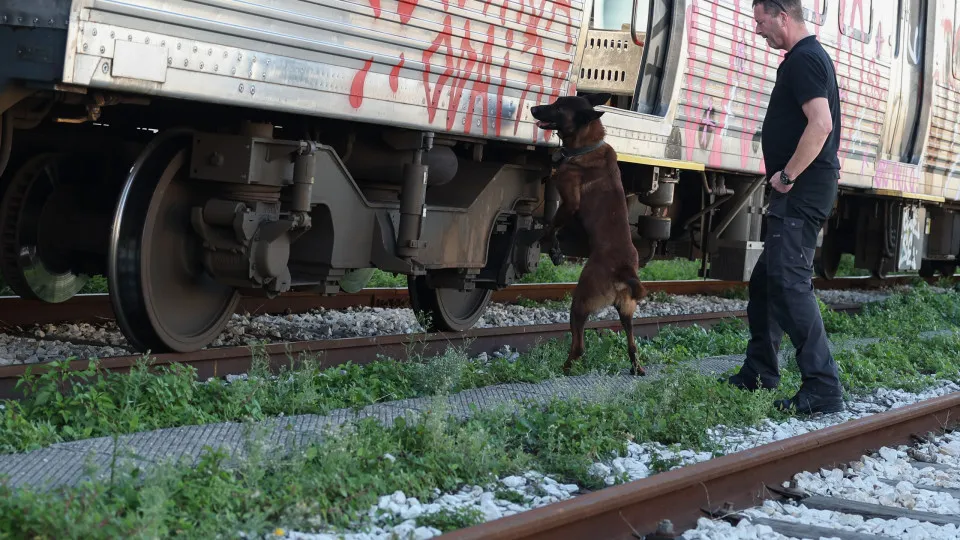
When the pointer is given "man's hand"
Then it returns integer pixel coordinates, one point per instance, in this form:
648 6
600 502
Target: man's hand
778 185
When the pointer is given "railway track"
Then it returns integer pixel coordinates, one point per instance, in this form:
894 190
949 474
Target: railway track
223 361
661 506
94 308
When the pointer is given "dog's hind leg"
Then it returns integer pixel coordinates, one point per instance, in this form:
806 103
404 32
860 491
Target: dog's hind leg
590 295
578 323
626 307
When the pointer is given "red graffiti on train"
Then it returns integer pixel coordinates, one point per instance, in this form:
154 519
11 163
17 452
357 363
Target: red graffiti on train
739 104
690 127
460 64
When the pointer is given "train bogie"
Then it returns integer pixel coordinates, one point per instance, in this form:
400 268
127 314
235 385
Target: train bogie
196 151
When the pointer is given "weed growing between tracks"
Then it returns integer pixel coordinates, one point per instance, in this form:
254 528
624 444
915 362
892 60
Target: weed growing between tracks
547 272
110 403
334 482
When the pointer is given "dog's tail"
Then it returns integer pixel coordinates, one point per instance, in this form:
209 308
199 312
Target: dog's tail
632 281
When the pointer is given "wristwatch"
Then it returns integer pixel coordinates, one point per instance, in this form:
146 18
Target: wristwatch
785 178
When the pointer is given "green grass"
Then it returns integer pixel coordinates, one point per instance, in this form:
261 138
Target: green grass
546 272
387 280
846 269
333 483
922 309
95 285
658 270
103 403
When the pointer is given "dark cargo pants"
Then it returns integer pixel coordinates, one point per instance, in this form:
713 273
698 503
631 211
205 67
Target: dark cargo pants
782 299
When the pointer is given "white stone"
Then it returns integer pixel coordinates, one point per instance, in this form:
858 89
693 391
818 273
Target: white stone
422 533
514 481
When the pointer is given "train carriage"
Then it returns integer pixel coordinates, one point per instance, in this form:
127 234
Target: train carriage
193 151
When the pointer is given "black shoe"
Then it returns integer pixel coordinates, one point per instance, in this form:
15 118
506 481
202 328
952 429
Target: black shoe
809 403
744 383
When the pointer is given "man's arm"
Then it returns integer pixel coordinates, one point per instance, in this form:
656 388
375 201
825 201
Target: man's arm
819 126
807 79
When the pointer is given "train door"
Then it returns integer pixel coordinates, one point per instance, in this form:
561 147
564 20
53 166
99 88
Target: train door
628 53
909 53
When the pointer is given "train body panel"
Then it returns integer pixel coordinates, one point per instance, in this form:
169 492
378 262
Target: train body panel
467 66
404 63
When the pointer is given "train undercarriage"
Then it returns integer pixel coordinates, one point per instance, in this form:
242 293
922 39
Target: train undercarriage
183 215
183 220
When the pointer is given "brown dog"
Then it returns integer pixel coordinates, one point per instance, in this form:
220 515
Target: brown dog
588 180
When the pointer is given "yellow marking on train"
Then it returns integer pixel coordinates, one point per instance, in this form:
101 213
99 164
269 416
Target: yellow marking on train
905 195
656 162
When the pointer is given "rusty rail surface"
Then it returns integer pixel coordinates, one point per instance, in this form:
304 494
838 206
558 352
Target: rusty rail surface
223 361
93 308
634 509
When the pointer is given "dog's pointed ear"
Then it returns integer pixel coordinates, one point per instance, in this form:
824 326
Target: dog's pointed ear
598 99
584 117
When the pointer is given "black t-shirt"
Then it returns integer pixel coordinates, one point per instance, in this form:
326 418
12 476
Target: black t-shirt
805 73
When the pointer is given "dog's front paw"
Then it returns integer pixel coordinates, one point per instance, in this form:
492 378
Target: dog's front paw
556 256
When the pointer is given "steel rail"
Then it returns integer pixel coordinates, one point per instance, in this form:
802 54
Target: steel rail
223 361
632 510
96 308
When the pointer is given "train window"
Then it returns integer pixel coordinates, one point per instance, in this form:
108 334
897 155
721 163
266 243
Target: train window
810 13
630 57
856 19
615 14
612 60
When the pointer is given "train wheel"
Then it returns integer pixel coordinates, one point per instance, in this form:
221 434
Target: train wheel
162 295
927 269
29 269
449 310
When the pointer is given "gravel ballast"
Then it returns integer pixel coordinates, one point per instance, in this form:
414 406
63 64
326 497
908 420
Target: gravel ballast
53 342
890 478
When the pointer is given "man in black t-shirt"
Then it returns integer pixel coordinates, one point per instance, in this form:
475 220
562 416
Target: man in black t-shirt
800 138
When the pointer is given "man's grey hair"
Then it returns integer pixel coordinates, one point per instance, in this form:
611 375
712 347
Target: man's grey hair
793 8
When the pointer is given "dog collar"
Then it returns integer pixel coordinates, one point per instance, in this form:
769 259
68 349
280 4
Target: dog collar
565 154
